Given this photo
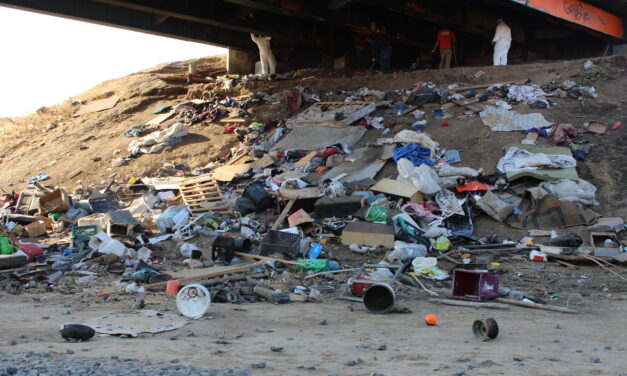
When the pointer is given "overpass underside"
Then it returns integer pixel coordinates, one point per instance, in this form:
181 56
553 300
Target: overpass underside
307 33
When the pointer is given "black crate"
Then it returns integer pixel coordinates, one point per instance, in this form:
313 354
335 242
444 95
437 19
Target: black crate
281 242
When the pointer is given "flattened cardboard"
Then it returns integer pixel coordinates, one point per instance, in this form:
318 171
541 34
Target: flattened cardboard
398 189
368 234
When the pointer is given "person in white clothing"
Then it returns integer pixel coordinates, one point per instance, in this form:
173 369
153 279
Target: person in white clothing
268 64
501 42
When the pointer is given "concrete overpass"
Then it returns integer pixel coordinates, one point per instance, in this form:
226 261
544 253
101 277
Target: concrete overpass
317 33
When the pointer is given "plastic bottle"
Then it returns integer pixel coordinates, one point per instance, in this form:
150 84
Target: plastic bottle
314 252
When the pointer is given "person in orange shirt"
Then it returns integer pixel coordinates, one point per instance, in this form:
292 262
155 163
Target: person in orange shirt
446 42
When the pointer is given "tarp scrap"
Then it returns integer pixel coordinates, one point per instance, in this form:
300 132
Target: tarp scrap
500 119
520 160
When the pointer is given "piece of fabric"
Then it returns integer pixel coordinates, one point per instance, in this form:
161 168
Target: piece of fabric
446 38
541 210
582 191
494 206
526 93
502 119
522 160
415 153
565 134
445 58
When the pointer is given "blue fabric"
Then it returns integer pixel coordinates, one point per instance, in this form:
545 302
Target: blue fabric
415 153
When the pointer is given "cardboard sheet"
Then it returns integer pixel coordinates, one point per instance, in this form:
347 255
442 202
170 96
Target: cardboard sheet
96 106
367 162
134 324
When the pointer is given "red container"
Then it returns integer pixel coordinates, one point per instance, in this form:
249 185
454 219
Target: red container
475 285
359 289
31 251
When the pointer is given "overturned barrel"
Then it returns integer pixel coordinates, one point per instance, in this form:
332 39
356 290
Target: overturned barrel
379 298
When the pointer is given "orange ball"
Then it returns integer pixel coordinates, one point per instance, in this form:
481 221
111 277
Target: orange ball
431 319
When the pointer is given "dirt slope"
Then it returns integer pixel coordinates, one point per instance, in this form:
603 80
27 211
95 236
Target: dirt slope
82 148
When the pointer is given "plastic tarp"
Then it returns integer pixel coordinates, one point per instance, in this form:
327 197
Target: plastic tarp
582 191
154 142
500 119
516 159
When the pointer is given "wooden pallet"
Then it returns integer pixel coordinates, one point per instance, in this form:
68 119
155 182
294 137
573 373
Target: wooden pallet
202 194
323 114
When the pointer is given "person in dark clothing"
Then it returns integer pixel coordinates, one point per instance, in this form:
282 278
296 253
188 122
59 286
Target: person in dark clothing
382 50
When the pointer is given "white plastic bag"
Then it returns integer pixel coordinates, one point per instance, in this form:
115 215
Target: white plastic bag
423 176
567 190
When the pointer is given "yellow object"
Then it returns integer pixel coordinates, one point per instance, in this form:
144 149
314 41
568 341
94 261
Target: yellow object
496 264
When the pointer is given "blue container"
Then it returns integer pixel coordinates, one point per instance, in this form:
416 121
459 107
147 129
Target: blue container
315 251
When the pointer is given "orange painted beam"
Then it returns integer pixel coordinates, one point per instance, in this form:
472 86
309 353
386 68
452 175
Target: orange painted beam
581 13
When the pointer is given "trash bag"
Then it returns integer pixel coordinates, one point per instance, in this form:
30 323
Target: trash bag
423 176
567 240
376 213
404 252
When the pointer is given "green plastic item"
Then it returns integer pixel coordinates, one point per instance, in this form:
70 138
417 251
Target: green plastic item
54 215
5 247
82 234
162 109
256 127
376 213
442 243
316 265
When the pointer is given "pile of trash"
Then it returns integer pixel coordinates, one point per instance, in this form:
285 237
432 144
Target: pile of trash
297 192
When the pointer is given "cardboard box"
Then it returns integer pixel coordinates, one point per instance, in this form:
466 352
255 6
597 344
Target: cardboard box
301 219
35 229
369 234
338 206
55 201
597 241
398 189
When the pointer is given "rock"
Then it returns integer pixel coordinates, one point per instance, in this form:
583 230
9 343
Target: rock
463 359
69 351
216 352
140 303
558 326
553 359
191 334
382 347
258 365
487 363
595 359
174 361
518 359
222 342
276 348
115 357
607 348
353 362
11 370
174 338
12 342
579 351
459 372
323 322
364 345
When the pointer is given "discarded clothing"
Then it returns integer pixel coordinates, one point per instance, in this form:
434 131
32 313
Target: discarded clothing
582 192
499 119
410 137
565 134
134 131
539 131
529 94
415 153
156 141
541 210
522 160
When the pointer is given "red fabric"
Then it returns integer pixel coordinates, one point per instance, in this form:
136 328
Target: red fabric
446 37
228 129
328 152
472 187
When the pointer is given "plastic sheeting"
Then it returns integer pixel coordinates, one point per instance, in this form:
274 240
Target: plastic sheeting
154 142
522 160
423 176
499 119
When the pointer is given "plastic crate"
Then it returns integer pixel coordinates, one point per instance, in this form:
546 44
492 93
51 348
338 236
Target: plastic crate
280 242
82 234
475 285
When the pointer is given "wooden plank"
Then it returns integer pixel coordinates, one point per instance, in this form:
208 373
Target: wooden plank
297 194
227 173
482 86
235 269
283 214
161 118
536 305
304 161
468 304
265 258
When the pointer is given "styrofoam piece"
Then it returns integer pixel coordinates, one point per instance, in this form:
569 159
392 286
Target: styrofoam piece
103 243
193 300
98 240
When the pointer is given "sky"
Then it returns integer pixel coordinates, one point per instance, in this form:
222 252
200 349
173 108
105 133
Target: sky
44 59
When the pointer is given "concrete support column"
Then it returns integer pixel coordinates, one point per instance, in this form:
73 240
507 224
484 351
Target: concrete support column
240 62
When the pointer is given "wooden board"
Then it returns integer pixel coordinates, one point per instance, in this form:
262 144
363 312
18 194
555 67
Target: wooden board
304 161
203 195
161 118
207 273
368 234
468 105
297 194
398 189
227 173
96 106
324 114
482 86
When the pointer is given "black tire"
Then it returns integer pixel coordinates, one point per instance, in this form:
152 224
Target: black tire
77 332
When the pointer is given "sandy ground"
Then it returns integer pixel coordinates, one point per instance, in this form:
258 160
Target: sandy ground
547 343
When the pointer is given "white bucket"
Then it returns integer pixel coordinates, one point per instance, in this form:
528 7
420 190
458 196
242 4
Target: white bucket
193 300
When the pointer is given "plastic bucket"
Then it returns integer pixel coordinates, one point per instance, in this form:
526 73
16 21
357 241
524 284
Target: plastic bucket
379 298
193 300
31 251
